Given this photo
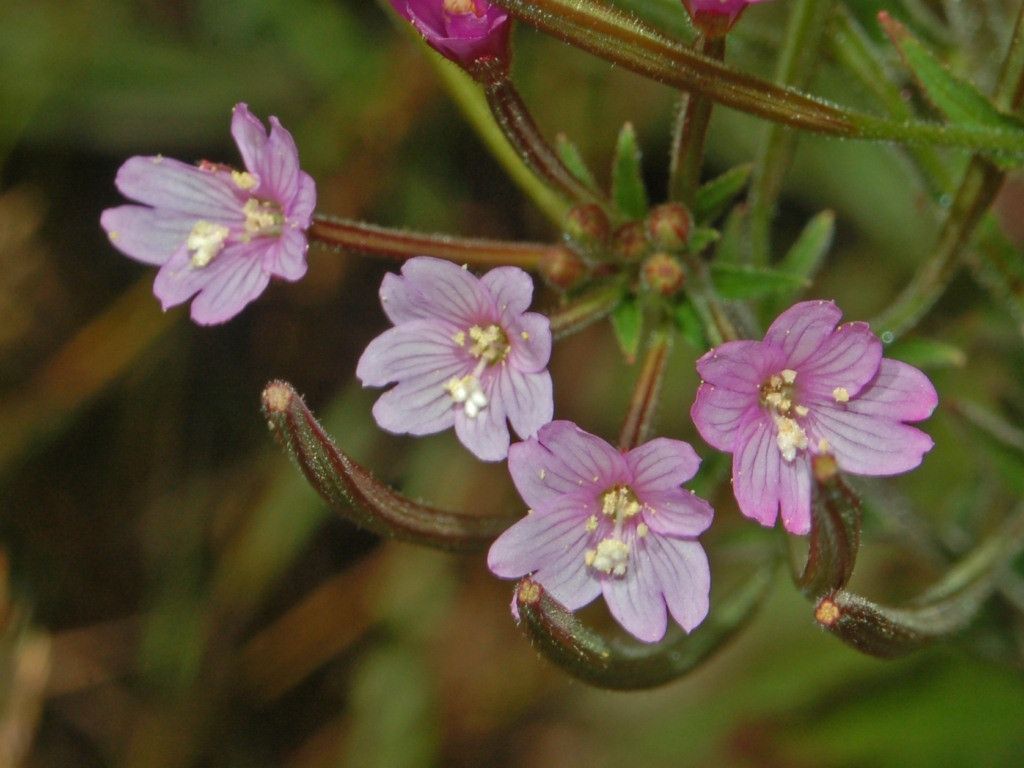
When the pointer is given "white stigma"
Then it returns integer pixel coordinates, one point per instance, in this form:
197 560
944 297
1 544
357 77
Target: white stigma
467 392
790 438
205 241
611 557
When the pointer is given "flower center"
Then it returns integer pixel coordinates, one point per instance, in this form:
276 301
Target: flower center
778 395
467 393
460 7
205 241
490 344
611 556
262 218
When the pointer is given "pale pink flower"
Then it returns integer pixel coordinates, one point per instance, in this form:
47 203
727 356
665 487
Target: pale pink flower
809 388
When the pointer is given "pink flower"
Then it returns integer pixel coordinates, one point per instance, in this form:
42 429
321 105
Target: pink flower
716 17
215 231
463 351
461 30
603 521
809 388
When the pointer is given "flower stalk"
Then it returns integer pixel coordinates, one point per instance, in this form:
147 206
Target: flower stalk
637 425
835 531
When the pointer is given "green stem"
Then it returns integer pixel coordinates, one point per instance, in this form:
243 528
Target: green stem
359 237
690 133
644 401
798 57
718 325
586 309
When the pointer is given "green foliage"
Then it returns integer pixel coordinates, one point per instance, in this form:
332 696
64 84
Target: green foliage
628 189
744 282
627 321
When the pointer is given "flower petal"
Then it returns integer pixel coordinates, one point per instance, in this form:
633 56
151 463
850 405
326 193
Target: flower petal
178 187
899 392
718 413
277 165
419 406
802 329
249 134
529 336
229 289
437 288
740 366
285 256
661 464
411 350
849 358
299 210
486 434
763 481
526 398
146 234
676 512
683 577
512 290
867 444
563 459
635 599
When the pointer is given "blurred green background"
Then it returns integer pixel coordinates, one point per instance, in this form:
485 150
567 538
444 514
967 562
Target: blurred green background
173 594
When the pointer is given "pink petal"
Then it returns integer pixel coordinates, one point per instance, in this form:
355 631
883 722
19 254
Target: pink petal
299 211
740 366
277 165
411 350
866 444
532 351
285 256
676 512
900 392
718 413
661 464
420 406
802 329
849 358
231 288
511 289
438 288
401 304
683 576
146 234
178 187
563 459
249 134
526 398
485 435
762 480
635 599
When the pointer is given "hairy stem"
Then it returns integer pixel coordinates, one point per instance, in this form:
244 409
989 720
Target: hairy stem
644 401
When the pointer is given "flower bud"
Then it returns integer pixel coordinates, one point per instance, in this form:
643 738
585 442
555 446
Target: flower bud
715 17
668 226
464 31
629 243
663 274
587 227
562 268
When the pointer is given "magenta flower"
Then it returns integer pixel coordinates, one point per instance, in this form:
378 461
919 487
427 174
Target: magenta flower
716 17
603 521
215 231
809 388
461 30
463 351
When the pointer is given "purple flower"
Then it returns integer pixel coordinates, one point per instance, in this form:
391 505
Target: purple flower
463 351
809 388
215 231
461 30
603 521
716 17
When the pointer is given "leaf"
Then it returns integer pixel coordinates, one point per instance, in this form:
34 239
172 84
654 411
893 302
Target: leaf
735 281
701 238
690 326
714 197
928 354
957 99
570 156
628 190
805 256
627 320
732 244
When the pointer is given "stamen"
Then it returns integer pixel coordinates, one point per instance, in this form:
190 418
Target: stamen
205 241
262 218
490 344
841 394
243 179
460 7
620 503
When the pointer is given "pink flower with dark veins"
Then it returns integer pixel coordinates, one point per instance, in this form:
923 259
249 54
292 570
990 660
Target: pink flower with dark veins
465 352
217 233
603 521
716 17
461 30
809 388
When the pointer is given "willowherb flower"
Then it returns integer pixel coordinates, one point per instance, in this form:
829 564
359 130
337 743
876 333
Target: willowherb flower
215 231
464 31
809 388
716 17
463 351
604 521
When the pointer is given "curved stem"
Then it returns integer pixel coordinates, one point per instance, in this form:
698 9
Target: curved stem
588 308
637 425
370 239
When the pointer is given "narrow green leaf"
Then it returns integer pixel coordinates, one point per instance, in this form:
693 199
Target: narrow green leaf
732 245
929 354
957 99
570 155
628 190
690 326
627 320
804 258
714 197
742 282
701 238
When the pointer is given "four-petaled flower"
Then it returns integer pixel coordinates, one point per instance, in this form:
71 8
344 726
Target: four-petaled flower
604 521
809 388
464 31
214 231
463 351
